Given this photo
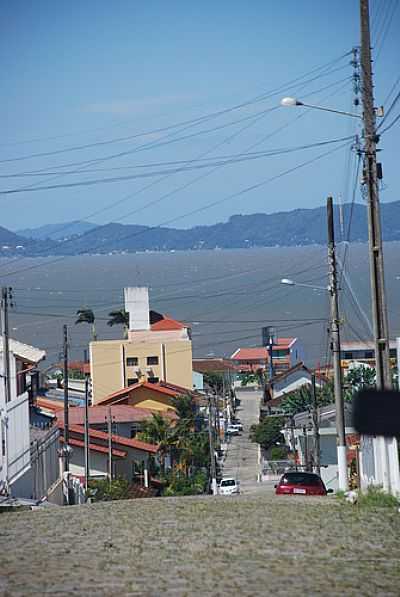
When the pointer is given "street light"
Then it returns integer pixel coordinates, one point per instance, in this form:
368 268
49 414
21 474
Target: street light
288 282
335 337
289 102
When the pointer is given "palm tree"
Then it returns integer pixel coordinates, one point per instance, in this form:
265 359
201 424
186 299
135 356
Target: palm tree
159 430
86 315
119 317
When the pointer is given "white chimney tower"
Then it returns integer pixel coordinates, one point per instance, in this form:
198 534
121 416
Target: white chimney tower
137 305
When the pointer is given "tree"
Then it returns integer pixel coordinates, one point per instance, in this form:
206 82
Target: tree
301 400
359 378
119 317
215 381
268 432
159 430
86 315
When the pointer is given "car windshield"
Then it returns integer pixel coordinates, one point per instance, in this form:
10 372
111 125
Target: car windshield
228 483
300 479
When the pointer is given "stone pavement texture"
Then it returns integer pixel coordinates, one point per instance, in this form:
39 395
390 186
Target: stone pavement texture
242 456
246 545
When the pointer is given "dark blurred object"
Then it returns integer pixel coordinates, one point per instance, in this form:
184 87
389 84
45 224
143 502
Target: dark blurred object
377 413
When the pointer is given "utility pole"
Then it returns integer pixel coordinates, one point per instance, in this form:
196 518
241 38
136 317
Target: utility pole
87 453
212 447
306 457
335 338
66 416
5 294
317 446
109 445
371 182
386 447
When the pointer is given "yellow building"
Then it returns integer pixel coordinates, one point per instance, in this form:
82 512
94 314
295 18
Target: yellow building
158 348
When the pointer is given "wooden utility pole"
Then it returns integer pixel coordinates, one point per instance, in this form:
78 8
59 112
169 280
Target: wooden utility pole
5 292
317 446
109 445
387 448
87 449
66 402
371 182
335 338
213 471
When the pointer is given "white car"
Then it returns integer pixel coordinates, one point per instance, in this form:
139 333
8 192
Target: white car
229 486
231 430
237 426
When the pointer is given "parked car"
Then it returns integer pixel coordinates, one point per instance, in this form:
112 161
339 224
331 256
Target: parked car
231 430
301 483
229 486
237 426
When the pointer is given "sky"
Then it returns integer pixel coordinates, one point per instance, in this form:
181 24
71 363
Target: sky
171 100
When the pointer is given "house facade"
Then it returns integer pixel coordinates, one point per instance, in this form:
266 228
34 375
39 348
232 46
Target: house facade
158 348
15 440
286 353
129 457
363 352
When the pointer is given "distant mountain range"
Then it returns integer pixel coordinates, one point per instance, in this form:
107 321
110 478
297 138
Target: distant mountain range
57 231
293 228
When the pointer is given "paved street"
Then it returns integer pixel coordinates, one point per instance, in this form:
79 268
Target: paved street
242 458
247 545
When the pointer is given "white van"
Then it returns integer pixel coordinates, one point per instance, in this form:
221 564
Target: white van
229 486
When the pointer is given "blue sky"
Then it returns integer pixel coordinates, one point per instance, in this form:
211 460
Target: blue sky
82 73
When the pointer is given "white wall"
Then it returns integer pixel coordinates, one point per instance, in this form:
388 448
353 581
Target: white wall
14 428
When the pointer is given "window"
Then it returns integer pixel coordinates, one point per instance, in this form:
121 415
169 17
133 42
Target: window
152 360
348 355
152 379
300 479
132 381
132 362
369 354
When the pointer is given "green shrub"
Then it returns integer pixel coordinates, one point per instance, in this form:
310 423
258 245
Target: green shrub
179 484
101 490
375 497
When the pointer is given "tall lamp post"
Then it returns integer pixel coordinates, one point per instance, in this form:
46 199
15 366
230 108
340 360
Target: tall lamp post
335 336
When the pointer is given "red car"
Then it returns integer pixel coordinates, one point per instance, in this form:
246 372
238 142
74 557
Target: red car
301 483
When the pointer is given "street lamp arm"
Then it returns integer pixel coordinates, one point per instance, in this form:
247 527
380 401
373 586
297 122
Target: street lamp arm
288 282
292 101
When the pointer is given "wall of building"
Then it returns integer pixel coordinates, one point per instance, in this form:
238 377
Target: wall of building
110 370
14 429
44 471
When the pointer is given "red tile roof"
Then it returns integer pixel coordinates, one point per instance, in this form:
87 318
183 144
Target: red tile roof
210 365
160 387
51 405
95 447
116 439
121 413
261 353
166 324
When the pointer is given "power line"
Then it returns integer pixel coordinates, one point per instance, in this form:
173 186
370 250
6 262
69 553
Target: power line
258 98
221 162
203 208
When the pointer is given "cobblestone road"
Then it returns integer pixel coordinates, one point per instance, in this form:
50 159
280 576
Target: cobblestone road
247 545
242 456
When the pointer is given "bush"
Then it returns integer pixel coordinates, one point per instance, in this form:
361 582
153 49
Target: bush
278 453
100 490
268 432
375 497
179 484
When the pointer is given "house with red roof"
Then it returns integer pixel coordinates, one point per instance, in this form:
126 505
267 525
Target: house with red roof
127 420
156 397
130 457
286 353
158 348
